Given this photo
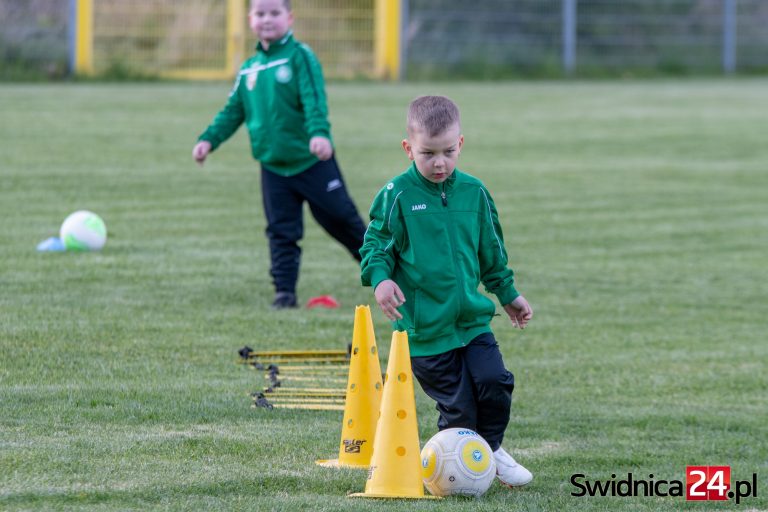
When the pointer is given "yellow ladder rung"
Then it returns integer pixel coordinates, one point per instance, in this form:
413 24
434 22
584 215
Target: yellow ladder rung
297 353
280 390
304 395
316 407
327 360
296 378
311 369
289 400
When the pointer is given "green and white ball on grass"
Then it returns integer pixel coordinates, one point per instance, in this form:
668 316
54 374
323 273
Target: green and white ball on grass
83 231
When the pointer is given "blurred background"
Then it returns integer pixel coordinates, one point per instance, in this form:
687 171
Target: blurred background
396 39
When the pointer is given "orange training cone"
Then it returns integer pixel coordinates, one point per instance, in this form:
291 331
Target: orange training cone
363 397
395 470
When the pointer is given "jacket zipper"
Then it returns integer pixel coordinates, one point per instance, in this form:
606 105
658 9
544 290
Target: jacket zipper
452 241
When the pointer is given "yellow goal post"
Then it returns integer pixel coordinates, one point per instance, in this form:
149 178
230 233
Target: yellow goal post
209 39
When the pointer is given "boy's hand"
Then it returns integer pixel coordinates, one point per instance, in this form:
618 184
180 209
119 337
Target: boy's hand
389 297
200 151
519 312
321 147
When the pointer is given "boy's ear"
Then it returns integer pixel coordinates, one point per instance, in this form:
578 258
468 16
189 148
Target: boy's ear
408 149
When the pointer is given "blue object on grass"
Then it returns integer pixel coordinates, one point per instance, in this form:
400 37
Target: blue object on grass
53 244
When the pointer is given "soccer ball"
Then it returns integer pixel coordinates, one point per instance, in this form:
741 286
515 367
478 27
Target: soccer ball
457 461
83 231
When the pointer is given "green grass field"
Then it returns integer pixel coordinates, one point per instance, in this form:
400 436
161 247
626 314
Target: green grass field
636 219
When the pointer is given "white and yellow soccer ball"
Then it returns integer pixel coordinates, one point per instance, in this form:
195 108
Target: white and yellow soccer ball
457 461
83 231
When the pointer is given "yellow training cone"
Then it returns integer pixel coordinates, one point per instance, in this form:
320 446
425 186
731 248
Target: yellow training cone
364 390
395 470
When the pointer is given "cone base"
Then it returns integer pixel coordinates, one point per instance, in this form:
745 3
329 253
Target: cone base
392 496
336 463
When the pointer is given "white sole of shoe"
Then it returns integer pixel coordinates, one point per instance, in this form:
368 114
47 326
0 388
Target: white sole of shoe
514 486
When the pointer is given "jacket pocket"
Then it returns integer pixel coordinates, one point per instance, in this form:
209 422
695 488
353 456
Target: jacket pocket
432 316
477 310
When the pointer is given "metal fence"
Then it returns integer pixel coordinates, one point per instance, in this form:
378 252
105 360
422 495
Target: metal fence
440 38
551 37
177 38
340 32
34 38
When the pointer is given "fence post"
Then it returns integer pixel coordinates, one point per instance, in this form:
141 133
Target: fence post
403 57
236 15
729 36
387 42
569 36
81 38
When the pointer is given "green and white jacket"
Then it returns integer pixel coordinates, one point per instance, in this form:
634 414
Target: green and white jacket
279 94
438 242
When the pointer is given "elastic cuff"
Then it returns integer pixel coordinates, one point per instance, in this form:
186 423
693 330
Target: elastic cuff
507 296
377 276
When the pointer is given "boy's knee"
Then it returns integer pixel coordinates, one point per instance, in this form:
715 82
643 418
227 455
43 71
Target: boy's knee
502 381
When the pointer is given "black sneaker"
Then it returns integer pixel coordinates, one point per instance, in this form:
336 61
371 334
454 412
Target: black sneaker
284 300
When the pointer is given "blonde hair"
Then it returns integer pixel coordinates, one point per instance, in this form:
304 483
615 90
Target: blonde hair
286 4
432 114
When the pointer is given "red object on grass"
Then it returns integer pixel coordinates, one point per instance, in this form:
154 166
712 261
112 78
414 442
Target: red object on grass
325 301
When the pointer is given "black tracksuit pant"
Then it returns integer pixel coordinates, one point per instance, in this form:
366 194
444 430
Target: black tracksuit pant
471 386
323 188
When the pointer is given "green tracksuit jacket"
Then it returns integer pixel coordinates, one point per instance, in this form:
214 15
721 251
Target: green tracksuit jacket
438 242
280 96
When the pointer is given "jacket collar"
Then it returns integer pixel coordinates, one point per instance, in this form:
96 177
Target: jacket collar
276 45
428 185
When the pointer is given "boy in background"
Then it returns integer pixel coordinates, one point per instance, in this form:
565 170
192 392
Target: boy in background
279 95
434 236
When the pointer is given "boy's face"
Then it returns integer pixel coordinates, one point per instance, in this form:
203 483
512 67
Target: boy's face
436 156
269 19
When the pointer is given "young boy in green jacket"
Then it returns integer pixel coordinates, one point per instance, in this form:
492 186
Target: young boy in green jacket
434 236
280 96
